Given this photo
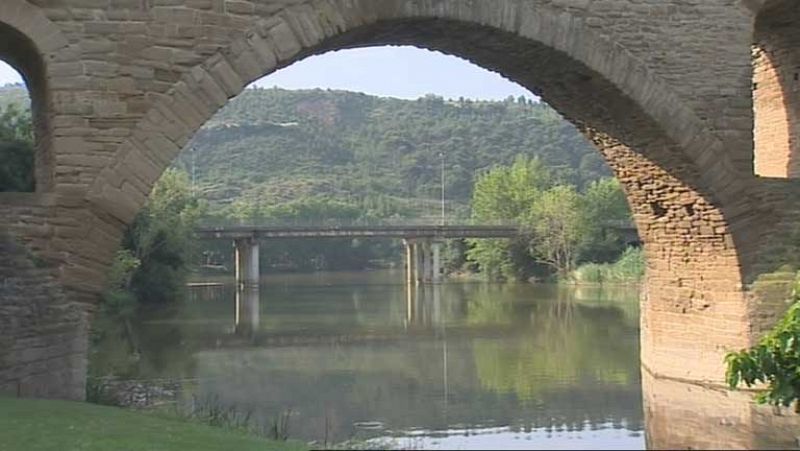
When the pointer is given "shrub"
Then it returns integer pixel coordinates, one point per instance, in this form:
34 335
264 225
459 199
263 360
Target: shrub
775 361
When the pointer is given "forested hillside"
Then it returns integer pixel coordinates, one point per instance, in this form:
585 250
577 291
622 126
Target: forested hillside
275 146
271 146
313 156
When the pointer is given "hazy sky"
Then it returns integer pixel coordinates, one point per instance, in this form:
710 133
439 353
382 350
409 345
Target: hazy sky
404 72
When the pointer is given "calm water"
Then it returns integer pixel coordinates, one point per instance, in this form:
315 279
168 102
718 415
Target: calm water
462 365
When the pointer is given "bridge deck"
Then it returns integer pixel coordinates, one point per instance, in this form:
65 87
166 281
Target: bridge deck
391 231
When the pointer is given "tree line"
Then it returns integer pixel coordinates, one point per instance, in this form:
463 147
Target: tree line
562 225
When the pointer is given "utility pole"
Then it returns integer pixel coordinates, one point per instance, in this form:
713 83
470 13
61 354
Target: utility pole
441 154
194 170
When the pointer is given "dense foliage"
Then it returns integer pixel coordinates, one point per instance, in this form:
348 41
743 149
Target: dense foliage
276 146
630 267
16 149
774 361
565 226
158 247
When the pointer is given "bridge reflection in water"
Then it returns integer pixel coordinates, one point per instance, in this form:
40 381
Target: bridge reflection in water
424 308
676 415
247 314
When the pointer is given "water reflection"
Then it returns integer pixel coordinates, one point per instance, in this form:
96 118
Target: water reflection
247 315
358 355
683 416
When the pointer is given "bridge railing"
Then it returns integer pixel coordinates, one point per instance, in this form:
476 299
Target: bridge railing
301 223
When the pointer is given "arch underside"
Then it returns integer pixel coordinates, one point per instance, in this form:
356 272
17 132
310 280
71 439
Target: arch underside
694 273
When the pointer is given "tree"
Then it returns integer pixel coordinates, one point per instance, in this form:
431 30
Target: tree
506 194
604 201
563 225
16 149
560 227
774 361
160 240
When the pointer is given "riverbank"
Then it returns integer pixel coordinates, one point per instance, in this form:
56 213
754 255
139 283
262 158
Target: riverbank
44 425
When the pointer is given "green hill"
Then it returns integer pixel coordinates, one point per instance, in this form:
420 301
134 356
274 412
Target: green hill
272 146
278 145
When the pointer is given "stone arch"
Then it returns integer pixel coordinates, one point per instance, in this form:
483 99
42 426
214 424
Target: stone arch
27 37
685 194
307 29
776 90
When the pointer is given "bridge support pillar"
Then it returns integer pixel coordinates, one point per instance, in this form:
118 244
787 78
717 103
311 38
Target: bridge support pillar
247 255
423 261
427 263
436 276
419 262
411 258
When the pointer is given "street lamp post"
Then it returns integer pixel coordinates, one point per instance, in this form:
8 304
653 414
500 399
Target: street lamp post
441 154
194 169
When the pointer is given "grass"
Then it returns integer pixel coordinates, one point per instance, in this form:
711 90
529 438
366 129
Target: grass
628 269
43 425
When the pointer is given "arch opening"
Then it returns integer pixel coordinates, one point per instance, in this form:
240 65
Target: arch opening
407 155
666 161
27 115
16 134
776 84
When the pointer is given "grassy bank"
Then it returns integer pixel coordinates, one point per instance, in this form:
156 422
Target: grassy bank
628 269
39 425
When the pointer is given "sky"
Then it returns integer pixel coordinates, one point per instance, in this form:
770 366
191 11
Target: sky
403 72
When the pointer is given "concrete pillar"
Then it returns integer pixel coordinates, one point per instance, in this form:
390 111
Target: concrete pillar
248 309
427 263
410 260
419 264
437 262
247 266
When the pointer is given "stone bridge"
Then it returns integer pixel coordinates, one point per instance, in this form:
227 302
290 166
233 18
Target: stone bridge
693 104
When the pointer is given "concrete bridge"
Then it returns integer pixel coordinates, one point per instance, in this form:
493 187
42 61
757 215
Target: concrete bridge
693 104
423 243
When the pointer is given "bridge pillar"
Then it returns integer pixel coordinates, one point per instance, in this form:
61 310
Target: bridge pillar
410 247
427 263
247 255
423 261
419 262
437 262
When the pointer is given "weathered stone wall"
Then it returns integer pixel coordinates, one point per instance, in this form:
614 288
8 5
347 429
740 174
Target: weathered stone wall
663 87
43 338
777 259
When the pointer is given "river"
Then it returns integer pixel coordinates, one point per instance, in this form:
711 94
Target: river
332 357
